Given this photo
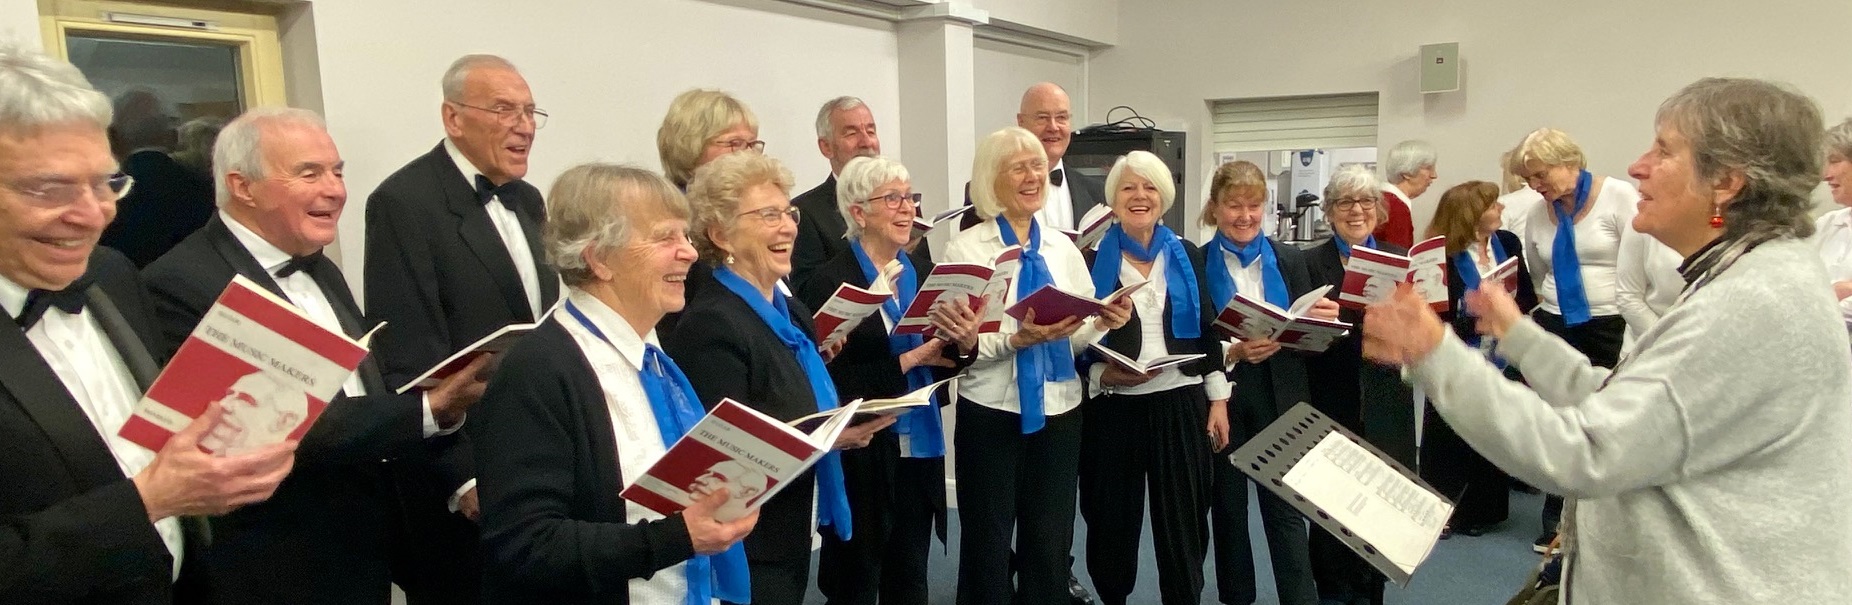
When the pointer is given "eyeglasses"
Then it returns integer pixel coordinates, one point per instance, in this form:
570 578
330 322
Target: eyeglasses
893 201
1022 169
56 193
772 216
734 145
510 115
1356 203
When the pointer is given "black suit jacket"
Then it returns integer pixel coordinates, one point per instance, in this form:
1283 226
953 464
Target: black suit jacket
321 537
727 351
1465 325
75 529
1084 191
553 526
1369 398
1128 340
1285 371
168 203
439 275
820 232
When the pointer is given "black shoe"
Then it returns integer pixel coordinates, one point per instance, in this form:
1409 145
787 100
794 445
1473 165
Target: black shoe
1076 593
1475 530
1542 545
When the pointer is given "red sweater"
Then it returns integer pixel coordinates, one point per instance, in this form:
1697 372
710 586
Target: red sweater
1400 228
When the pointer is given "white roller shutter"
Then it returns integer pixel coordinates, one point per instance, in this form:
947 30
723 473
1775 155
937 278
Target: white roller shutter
1321 122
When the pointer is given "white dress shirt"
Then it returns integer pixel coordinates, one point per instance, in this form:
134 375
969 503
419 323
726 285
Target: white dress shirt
1058 209
1833 233
633 422
1148 303
509 226
1250 280
991 380
1598 247
93 372
301 290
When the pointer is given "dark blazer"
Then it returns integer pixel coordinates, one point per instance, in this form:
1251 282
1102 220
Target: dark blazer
1084 191
322 537
727 351
553 527
168 203
1128 340
865 368
1369 398
820 230
1285 371
1464 325
438 274
75 529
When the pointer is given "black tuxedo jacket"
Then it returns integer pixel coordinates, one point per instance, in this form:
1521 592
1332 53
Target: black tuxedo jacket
321 537
1369 398
1285 371
168 203
820 234
76 530
727 351
553 527
438 274
1465 325
1128 340
1084 191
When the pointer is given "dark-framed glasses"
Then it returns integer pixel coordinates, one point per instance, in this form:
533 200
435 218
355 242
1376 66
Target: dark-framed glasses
895 200
57 192
510 115
734 145
772 216
1355 204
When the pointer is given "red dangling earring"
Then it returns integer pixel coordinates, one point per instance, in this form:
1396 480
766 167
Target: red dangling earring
1717 217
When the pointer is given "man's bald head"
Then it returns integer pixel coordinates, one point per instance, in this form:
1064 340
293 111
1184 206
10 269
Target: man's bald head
1045 112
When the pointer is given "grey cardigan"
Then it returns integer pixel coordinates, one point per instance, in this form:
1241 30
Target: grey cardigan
1712 465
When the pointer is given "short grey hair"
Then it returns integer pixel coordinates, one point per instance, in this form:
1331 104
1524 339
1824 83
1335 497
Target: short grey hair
992 152
1353 180
240 146
1769 133
1839 139
715 191
460 69
830 108
1407 158
590 207
859 179
37 91
1144 164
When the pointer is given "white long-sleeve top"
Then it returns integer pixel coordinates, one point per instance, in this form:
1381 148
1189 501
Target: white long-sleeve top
991 380
1648 282
1833 234
1597 244
1149 303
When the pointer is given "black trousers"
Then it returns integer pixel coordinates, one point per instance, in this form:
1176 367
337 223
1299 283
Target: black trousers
1011 483
1600 339
1131 444
1250 411
778 549
436 556
897 504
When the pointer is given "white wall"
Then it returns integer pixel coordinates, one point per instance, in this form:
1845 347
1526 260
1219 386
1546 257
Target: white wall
1090 20
19 23
1004 70
1597 69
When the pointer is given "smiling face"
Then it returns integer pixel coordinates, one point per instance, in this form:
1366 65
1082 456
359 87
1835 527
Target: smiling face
1239 215
852 135
761 246
890 226
1839 177
497 143
297 204
649 271
1137 203
1673 208
1021 184
1046 114
1354 217
45 242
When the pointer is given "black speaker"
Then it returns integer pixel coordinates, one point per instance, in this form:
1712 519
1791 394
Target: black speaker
1093 153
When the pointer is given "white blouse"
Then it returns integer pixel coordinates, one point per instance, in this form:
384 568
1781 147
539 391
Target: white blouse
1148 303
1597 243
1833 234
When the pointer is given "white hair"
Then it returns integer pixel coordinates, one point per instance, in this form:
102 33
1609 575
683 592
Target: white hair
590 208
992 153
859 179
460 69
37 91
1406 159
1839 139
1352 181
830 108
240 146
1147 165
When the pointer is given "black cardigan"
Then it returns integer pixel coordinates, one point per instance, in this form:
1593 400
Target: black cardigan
1369 398
865 368
1128 340
1285 371
1526 295
553 527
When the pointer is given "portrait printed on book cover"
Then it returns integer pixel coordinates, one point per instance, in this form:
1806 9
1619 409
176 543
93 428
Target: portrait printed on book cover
260 409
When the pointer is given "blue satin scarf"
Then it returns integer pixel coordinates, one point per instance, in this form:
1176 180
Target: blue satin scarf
672 399
1051 361
1344 246
832 495
924 428
1571 298
1179 276
1222 285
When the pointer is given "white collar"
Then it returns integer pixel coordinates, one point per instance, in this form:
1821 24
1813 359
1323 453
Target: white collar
1395 191
614 327
12 297
1841 218
268 256
470 172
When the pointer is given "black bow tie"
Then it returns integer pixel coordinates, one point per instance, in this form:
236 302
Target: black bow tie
300 263
486 191
1055 177
69 300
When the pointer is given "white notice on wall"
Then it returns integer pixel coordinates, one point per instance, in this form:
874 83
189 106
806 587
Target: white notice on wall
1394 514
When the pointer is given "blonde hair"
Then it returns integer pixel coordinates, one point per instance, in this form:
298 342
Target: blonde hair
694 117
1457 215
1239 177
1548 146
992 152
714 194
1147 165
